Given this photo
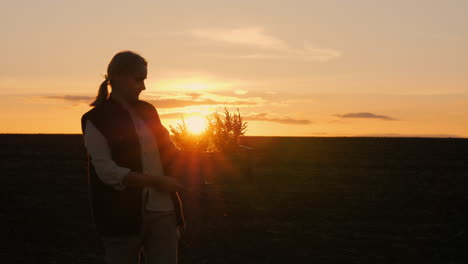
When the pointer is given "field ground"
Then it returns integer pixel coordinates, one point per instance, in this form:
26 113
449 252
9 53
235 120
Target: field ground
314 200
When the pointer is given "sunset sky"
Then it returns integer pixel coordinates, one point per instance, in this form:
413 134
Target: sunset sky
293 68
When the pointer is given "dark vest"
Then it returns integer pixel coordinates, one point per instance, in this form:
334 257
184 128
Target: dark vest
119 213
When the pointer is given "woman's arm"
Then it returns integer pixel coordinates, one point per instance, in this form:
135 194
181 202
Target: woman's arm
107 170
112 174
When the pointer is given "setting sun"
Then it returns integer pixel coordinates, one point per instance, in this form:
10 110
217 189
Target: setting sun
196 124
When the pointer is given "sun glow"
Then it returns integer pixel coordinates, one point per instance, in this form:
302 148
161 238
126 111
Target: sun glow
196 124
196 83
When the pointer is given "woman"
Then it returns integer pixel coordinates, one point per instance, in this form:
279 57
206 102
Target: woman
134 199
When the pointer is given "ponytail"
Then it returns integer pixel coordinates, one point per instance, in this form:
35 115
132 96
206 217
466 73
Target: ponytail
124 62
102 95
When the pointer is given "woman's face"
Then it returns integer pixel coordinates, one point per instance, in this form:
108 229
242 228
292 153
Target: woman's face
130 85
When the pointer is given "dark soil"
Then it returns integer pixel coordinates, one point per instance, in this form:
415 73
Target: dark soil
313 200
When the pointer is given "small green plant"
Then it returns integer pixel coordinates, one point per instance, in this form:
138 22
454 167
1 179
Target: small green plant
221 135
225 130
187 141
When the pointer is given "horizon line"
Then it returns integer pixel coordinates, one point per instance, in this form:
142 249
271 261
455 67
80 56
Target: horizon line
311 136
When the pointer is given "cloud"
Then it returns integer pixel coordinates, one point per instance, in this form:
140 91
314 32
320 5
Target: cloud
269 47
172 100
172 115
305 54
249 117
310 52
252 36
260 97
70 97
75 99
194 95
176 103
365 115
281 120
240 92
202 98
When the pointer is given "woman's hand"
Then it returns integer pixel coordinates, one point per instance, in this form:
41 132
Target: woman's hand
165 183
162 183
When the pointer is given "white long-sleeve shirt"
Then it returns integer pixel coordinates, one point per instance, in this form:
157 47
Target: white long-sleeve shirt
112 174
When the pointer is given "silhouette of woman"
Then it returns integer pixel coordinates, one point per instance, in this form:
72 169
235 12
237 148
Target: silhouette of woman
133 197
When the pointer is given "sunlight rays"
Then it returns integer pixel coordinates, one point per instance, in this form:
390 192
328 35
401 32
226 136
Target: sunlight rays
196 124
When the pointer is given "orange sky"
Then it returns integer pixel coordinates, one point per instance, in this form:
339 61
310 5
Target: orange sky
293 68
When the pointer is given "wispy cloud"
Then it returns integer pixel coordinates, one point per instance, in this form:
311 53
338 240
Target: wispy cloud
74 99
268 46
253 36
281 120
170 100
247 117
365 115
177 103
242 94
70 97
304 55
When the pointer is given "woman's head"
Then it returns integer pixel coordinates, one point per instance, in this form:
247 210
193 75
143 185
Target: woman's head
126 73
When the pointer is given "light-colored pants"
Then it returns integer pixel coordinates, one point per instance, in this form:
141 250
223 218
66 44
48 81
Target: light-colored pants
158 241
